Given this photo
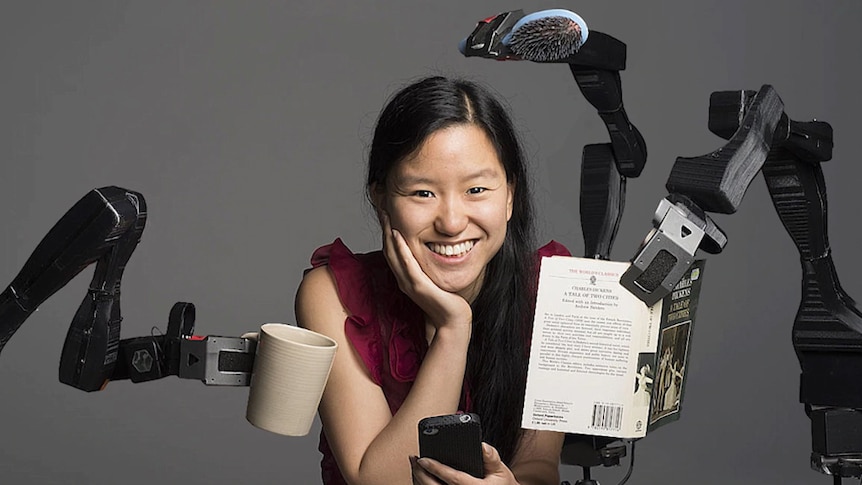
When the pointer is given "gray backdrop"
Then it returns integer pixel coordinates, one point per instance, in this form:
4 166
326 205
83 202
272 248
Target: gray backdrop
245 126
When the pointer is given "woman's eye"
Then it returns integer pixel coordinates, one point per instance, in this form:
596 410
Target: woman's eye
423 193
476 190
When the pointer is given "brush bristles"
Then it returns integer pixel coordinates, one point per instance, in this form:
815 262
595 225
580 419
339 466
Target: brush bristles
546 39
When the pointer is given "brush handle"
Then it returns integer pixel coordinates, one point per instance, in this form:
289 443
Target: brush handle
599 51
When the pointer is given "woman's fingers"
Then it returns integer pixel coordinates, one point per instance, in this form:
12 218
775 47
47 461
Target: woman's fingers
493 463
411 278
394 248
422 476
429 471
390 250
415 275
434 472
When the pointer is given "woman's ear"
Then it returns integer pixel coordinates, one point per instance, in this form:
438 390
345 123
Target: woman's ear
376 194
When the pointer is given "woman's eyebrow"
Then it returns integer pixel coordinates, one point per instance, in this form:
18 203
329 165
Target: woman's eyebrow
484 173
408 179
413 180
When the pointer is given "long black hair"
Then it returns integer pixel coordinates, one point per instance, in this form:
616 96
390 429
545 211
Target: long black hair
502 311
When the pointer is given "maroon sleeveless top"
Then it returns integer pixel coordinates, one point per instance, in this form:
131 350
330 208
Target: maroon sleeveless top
384 326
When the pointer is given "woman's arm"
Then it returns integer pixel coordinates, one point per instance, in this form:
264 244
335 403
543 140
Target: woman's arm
370 445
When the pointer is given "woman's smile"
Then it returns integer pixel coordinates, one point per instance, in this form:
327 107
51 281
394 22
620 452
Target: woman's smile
451 250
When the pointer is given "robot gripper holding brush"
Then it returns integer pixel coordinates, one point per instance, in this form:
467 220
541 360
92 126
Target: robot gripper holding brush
827 332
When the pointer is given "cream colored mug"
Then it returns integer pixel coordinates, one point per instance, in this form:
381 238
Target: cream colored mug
291 367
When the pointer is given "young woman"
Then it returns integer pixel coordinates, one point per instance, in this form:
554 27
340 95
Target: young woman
439 320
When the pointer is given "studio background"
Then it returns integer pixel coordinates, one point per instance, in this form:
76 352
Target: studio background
245 125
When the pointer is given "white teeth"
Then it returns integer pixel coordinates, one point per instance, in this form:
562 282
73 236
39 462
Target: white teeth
451 249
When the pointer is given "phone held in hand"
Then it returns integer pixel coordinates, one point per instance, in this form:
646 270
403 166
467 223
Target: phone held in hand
454 440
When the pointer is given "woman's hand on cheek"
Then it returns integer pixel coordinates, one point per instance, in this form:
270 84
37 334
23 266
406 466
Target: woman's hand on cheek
428 471
443 308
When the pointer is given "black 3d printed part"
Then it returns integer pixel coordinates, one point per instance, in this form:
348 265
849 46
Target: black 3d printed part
807 141
83 235
602 199
827 333
603 89
104 226
91 348
717 181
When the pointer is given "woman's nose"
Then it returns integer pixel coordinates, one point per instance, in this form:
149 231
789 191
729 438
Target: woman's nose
452 218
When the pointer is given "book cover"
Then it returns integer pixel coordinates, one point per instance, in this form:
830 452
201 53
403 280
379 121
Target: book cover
593 357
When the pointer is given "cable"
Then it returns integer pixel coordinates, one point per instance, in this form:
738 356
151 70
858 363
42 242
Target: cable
631 462
158 347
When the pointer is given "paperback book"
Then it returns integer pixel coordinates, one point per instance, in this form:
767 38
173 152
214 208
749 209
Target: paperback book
601 362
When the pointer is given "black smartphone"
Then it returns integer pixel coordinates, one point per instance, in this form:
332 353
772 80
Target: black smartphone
454 440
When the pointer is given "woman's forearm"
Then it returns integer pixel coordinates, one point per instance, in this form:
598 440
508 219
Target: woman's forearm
436 391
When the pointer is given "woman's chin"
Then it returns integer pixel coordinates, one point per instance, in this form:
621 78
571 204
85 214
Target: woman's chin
465 286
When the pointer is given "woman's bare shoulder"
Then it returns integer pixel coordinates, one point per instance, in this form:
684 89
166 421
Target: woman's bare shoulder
317 304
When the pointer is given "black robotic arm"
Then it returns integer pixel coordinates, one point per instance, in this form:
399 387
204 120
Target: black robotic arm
105 227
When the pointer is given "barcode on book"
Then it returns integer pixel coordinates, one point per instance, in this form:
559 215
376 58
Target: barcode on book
607 416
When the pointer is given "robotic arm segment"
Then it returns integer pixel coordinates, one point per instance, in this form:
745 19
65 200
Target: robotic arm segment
603 89
717 181
809 141
88 230
104 226
602 196
827 331
92 342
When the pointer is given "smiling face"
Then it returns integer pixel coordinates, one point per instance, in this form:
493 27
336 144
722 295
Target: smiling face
451 201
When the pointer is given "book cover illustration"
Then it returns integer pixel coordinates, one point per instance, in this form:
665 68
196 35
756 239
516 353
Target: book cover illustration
674 347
